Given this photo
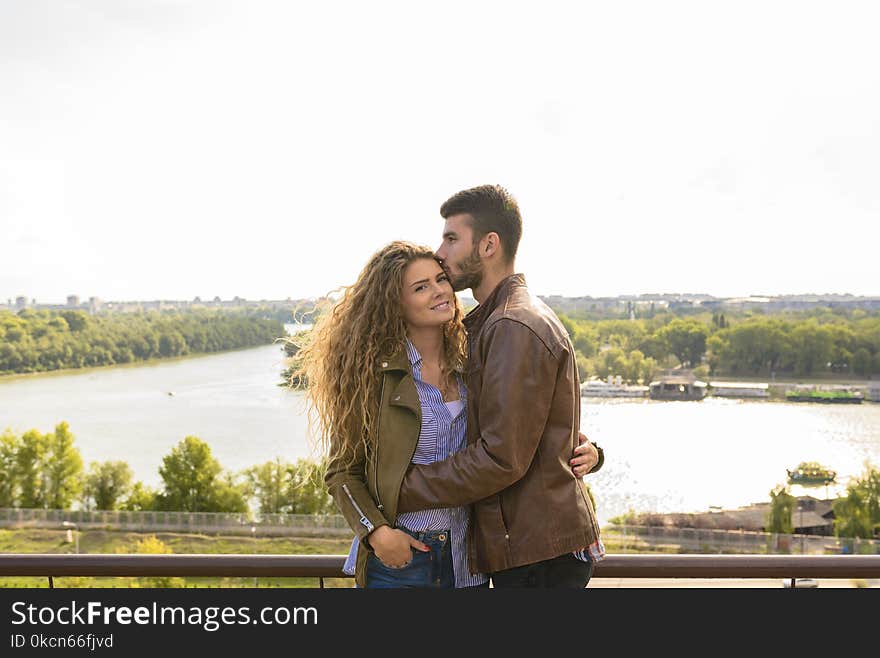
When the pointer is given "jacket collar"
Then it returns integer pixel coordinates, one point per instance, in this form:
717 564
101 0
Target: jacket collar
400 360
404 393
474 320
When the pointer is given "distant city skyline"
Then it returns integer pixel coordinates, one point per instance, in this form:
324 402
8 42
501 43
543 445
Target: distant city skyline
156 149
76 300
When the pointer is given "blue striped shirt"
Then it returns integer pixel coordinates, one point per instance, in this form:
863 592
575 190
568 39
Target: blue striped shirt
442 435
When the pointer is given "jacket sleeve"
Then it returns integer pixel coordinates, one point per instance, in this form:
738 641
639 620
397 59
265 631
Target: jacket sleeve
346 482
519 378
601 459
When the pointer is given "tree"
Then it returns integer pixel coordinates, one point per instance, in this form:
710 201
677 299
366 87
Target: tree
107 484
193 483
29 462
585 343
140 499
851 516
33 341
307 492
172 344
584 367
8 473
568 324
230 496
756 345
76 320
63 468
654 347
189 474
267 483
686 339
611 362
285 488
781 505
858 513
625 334
813 347
862 361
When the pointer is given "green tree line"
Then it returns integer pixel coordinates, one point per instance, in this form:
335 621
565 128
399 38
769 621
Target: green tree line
35 341
749 344
46 471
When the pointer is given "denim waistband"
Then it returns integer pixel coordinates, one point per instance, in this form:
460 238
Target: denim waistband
427 535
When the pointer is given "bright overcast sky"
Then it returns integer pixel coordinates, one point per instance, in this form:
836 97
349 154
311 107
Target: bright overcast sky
167 149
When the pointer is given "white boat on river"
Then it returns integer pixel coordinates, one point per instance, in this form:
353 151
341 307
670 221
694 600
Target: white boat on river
613 388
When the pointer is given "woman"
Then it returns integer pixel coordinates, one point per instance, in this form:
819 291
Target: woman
384 383
384 372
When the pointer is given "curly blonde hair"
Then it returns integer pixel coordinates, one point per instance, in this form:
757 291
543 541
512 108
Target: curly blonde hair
337 361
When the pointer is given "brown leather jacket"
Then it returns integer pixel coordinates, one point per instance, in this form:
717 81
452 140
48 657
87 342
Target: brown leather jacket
523 421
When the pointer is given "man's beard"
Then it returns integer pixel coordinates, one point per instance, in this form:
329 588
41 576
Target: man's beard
471 275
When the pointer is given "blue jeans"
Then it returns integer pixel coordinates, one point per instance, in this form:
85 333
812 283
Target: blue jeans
430 570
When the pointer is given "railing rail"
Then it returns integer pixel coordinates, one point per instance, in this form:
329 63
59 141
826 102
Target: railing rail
330 566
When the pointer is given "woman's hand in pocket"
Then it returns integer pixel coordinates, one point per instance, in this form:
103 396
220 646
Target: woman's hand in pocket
585 457
394 547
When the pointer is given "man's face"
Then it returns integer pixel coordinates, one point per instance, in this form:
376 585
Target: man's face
458 253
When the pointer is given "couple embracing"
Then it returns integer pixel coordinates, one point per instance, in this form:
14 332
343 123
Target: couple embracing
454 442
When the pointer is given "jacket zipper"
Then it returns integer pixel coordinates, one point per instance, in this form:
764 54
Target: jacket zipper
379 504
364 520
504 521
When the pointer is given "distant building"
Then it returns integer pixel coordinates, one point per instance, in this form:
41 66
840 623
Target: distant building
874 389
73 301
739 390
811 516
677 385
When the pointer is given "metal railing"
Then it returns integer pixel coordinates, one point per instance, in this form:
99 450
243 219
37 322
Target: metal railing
632 538
635 538
330 566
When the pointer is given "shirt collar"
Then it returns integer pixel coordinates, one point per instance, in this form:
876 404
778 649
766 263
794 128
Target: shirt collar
415 359
415 362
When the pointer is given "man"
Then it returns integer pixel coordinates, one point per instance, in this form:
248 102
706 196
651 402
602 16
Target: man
532 521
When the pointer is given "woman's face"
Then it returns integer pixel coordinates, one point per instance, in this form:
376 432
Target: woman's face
427 297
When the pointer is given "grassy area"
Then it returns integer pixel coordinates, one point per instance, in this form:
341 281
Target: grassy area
39 540
821 395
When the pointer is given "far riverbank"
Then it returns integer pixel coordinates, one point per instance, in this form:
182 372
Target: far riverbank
156 361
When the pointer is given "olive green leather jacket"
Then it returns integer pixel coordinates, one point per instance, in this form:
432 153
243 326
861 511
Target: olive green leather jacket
367 488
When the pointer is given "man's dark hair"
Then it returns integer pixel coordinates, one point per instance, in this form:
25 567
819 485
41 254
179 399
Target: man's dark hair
494 210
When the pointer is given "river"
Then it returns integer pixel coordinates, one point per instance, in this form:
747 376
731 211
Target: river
661 456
